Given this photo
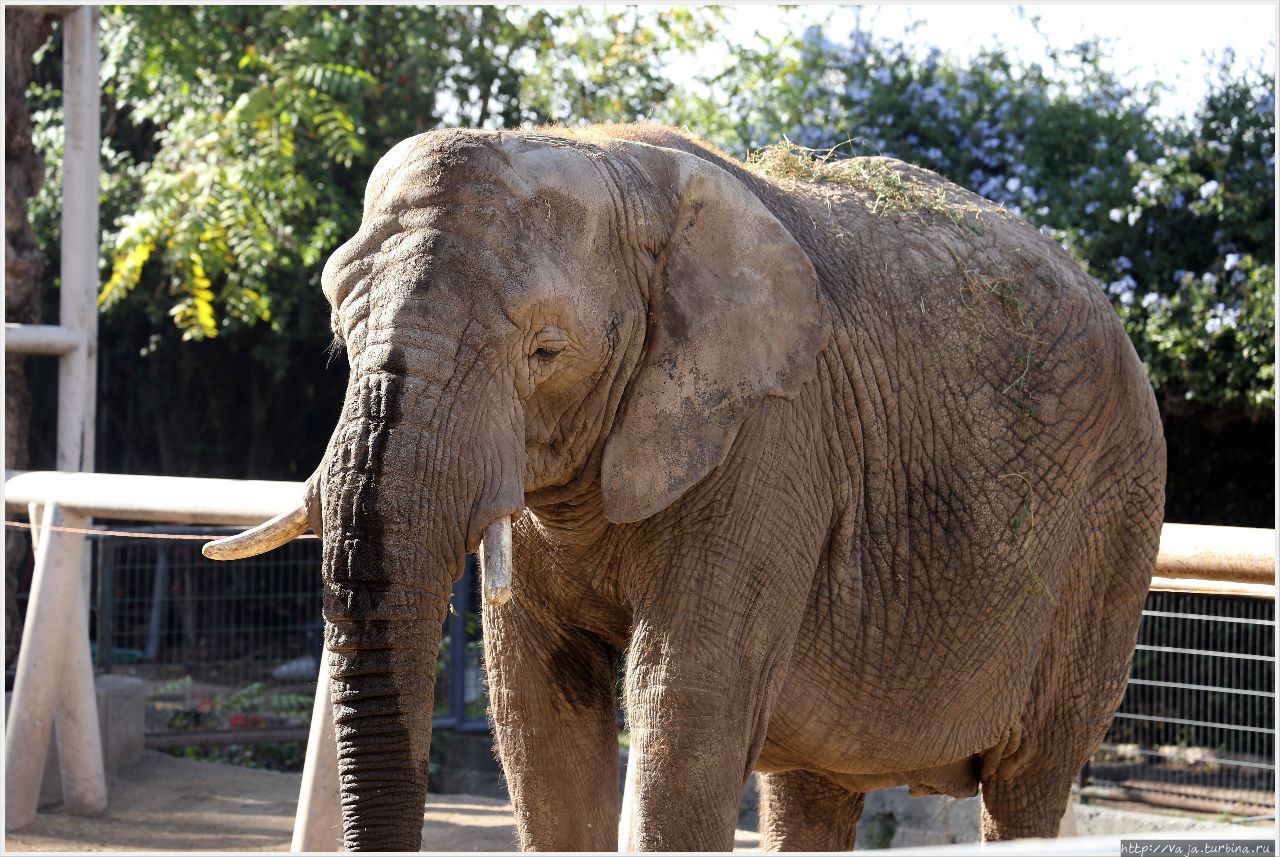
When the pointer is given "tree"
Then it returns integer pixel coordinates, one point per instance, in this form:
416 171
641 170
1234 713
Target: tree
237 144
24 32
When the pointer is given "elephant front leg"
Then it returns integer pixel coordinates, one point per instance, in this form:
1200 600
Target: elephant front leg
551 696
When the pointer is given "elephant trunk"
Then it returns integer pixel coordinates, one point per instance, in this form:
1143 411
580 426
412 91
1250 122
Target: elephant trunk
397 514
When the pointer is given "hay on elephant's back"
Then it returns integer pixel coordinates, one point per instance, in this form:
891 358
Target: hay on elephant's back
896 187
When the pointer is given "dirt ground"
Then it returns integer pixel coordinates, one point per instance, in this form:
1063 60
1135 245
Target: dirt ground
169 804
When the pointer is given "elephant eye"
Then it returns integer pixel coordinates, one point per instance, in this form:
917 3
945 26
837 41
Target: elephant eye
549 342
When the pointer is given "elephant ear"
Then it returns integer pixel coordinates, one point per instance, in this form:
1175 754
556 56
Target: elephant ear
734 316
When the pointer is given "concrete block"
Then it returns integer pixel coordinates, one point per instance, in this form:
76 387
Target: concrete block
121 703
121 718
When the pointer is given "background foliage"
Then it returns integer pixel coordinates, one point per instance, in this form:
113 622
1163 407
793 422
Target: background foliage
238 140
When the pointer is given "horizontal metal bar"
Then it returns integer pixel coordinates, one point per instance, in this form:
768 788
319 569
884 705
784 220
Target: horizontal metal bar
1214 587
40 339
1177 757
1208 687
1238 554
153 498
1177 651
1233 619
282 735
1181 722
1177 801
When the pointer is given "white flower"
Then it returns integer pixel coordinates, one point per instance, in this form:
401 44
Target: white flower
1208 189
1134 215
1121 287
1116 215
1233 259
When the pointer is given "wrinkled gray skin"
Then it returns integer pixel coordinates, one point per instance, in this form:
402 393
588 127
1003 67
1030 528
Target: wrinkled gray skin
867 495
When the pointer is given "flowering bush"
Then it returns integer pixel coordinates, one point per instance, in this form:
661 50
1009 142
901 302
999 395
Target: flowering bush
1175 220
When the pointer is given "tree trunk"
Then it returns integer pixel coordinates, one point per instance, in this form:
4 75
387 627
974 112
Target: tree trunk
24 32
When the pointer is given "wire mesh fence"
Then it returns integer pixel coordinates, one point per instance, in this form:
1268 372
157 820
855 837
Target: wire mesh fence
235 646
229 652
220 646
1197 724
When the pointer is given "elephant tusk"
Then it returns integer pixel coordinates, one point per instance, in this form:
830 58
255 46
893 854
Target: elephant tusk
495 562
262 538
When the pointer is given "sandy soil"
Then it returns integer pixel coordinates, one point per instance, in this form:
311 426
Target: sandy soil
168 804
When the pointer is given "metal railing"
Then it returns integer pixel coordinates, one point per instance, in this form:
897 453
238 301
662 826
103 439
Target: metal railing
54 676
1196 728
53 681
74 340
225 650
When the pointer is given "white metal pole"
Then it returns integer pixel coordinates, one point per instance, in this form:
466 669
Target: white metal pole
318 824
626 818
80 759
78 304
49 676
1067 826
35 514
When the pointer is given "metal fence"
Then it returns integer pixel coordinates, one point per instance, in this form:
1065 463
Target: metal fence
230 651
227 647
1197 724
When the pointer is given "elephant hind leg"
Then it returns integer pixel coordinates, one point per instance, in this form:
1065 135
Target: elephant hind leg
1030 806
804 811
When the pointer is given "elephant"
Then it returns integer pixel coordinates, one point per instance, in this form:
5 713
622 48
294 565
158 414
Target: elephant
836 472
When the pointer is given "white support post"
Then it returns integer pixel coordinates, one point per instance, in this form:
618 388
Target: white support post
35 514
626 818
77 381
54 684
1067 826
318 824
80 760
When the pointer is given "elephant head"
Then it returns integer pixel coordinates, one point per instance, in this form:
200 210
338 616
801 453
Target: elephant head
524 314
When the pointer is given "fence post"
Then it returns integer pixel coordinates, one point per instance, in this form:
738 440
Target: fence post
1067 826
106 606
54 684
159 600
35 514
78 309
318 824
457 631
